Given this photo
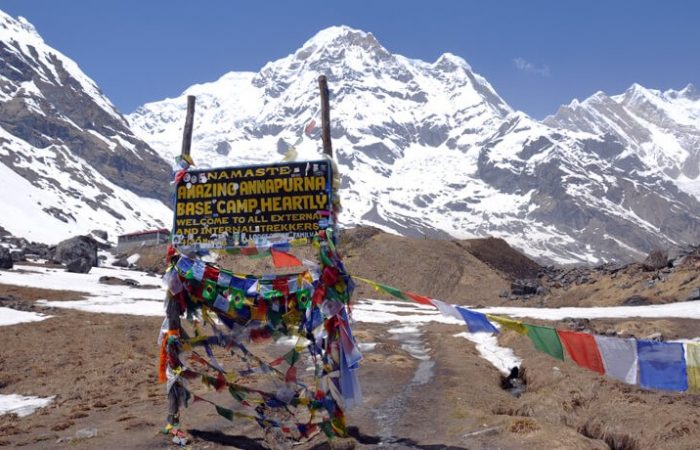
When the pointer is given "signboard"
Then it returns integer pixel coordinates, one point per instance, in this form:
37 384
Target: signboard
239 206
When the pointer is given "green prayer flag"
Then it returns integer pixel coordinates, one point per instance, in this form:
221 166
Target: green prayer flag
327 429
223 412
236 393
545 340
209 290
236 297
304 298
292 357
393 291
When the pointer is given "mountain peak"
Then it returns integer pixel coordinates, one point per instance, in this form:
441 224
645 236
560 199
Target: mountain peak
450 62
13 29
690 92
344 36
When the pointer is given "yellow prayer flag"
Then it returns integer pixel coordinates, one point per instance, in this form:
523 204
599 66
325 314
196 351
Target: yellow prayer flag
692 358
510 324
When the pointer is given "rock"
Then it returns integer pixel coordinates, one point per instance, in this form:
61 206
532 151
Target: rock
79 265
657 259
636 300
5 259
610 332
541 290
577 324
79 253
694 295
101 239
658 337
118 281
121 262
524 287
17 255
86 433
100 234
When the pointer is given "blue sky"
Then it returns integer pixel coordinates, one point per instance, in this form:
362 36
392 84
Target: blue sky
536 54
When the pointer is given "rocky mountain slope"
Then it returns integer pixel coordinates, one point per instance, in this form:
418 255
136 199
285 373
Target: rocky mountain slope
661 128
431 149
68 160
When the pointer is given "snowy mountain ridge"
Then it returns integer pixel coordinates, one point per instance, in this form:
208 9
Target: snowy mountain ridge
432 149
68 160
424 148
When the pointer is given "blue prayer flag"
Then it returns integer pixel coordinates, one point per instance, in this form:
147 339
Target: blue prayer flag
476 321
662 365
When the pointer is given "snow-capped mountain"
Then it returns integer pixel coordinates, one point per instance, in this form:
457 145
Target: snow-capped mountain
431 148
68 160
661 128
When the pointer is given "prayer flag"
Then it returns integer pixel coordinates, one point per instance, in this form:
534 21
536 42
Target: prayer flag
662 365
510 324
545 340
447 309
393 291
582 349
692 352
224 412
419 298
476 321
619 357
282 259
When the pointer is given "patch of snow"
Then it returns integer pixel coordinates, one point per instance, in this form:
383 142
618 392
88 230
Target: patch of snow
103 298
9 316
502 358
22 405
687 310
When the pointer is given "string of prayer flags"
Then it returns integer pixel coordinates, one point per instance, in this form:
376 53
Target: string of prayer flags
545 340
582 349
619 357
662 365
692 359
655 365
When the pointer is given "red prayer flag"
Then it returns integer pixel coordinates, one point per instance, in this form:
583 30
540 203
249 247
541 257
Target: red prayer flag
583 349
419 298
310 127
282 259
291 376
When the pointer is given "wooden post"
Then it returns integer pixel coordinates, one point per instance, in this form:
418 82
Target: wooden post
187 131
172 309
325 116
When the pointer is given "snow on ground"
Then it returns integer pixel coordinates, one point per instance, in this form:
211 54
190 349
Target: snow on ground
103 298
22 405
413 315
685 310
9 316
502 358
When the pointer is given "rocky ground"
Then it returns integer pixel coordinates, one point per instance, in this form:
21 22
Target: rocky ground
102 367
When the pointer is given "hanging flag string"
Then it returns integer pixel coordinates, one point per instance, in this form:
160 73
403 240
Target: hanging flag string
672 366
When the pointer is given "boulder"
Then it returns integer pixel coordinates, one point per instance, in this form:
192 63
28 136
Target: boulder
78 254
524 287
657 259
101 239
636 300
694 295
5 259
79 265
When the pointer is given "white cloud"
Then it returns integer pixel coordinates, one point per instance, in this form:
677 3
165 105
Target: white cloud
526 66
